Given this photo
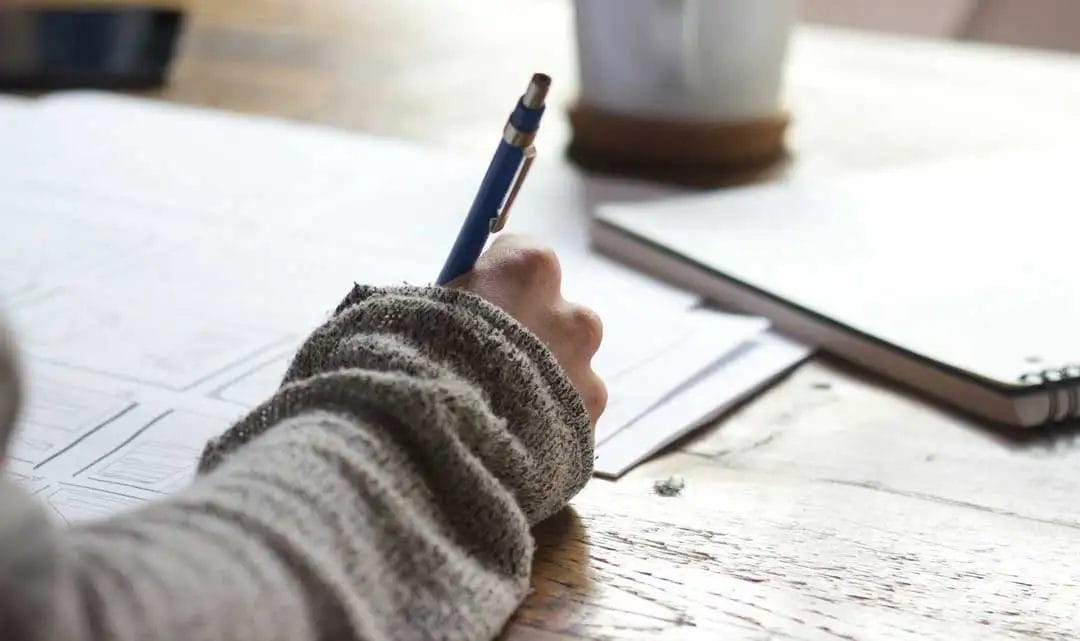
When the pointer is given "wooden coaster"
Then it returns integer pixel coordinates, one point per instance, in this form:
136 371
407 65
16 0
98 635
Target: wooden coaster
699 154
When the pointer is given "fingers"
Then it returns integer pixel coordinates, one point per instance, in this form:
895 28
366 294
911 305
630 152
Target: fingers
524 278
586 329
517 274
579 337
592 390
528 264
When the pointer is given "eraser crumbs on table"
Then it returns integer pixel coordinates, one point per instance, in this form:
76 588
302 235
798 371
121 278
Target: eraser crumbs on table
671 486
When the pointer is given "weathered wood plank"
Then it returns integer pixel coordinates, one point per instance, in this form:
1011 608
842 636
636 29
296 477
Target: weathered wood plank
829 422
754 555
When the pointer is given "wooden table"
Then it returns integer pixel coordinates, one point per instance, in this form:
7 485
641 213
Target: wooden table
834 506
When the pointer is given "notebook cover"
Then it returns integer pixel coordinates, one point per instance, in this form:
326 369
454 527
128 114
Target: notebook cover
964 263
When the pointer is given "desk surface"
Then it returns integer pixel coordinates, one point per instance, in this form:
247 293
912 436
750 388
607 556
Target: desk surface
834 506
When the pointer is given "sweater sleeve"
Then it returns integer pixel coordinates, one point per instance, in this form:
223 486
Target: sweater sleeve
384 492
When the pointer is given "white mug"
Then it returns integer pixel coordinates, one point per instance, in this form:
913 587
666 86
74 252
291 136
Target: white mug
698 60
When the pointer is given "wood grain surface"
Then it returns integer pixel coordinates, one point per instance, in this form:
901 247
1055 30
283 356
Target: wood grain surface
834 506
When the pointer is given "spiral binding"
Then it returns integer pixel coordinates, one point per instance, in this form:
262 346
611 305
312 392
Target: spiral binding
1053 380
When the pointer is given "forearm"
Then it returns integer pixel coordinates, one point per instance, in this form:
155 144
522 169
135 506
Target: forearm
322 528
384 492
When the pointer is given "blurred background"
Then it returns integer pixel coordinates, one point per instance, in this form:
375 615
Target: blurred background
439 72
1051 24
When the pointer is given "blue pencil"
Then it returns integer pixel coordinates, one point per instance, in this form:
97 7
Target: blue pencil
501 183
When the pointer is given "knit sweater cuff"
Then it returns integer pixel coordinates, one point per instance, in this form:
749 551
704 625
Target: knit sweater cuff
446 342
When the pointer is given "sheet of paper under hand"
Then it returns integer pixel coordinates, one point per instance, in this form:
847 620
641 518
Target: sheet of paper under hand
728 380
233 256
648 355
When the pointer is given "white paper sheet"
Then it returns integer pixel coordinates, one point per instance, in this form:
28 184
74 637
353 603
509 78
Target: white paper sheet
163 264
669 352
729 380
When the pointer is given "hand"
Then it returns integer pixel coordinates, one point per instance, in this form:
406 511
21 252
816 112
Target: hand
524 279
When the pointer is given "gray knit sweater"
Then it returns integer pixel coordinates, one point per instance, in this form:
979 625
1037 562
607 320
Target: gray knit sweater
384 492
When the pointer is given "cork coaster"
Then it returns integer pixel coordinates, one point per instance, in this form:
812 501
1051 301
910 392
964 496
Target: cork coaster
699 154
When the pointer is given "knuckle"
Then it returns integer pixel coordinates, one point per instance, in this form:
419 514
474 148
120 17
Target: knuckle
539 263
587 326
596 398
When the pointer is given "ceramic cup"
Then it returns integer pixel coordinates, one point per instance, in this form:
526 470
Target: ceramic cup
685 60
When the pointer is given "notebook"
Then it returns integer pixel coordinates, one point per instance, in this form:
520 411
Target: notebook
955 278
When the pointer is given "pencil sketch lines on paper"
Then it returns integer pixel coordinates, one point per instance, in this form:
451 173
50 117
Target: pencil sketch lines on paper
58 417
153 345
73 503
160 457
18 477
256 384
